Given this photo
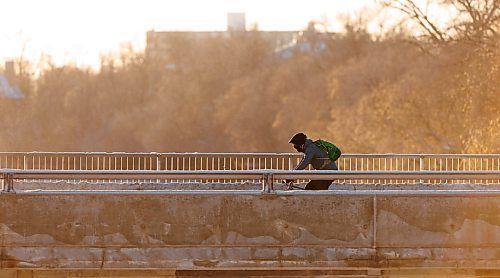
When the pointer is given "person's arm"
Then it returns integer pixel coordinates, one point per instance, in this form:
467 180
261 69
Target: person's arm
306 160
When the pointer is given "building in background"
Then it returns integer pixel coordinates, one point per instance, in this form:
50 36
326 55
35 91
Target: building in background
159 44
8 86
236 22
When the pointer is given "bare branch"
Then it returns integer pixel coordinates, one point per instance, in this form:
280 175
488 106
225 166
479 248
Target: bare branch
477 20
411 9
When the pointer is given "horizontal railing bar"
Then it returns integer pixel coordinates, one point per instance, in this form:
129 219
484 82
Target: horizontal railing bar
399 193
248 174
139 192
128 174
153 154
422 155
190 154
329 175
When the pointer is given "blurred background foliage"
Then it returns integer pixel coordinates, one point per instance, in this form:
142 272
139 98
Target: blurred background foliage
400 91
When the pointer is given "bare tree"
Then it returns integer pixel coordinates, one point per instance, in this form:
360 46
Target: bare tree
475 21
419 15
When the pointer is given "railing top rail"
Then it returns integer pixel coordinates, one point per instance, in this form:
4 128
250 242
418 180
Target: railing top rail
179 154
425 155
243 154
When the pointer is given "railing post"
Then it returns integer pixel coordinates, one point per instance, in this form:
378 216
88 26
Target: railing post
267 183
11 182
158 165
374 243
7 182
421 162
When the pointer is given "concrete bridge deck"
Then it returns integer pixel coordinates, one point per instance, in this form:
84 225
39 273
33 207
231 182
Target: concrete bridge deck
227 233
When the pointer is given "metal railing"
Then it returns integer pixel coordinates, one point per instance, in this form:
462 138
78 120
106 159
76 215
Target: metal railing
101 161
146 161
241 161
266 177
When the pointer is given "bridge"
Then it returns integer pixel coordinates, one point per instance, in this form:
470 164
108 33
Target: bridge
194 214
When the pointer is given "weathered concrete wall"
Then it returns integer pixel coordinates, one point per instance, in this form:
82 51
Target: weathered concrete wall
183 231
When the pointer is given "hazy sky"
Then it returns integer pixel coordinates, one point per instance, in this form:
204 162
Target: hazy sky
79 30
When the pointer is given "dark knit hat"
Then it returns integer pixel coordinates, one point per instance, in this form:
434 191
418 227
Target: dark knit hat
298 139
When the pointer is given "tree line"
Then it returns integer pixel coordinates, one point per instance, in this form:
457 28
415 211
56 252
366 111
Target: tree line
433 91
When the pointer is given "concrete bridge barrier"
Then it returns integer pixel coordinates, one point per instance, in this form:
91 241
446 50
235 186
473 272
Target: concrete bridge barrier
207 231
